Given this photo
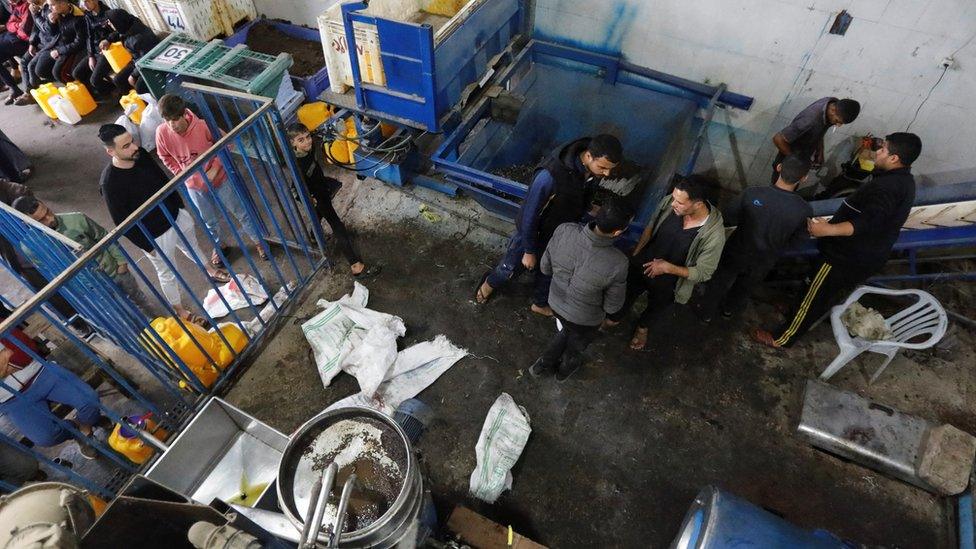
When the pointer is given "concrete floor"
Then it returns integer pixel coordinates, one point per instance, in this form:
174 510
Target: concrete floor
618 452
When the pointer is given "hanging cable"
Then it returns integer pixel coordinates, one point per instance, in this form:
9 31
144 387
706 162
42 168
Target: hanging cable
945 69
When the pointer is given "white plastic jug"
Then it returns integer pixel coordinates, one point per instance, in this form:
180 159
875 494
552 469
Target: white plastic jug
66 112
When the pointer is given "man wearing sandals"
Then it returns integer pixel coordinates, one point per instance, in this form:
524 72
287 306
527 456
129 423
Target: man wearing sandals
680 248
560 193
179 141
128 182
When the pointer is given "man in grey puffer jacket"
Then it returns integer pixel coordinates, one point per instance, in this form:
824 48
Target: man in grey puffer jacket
589 281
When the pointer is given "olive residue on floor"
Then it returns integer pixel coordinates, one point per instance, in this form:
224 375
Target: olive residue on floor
307 55
618 452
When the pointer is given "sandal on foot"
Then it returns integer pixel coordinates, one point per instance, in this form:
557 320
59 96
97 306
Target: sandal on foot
765 338
479 296
221 276
368 272
639 341
215 260
545 310
193 318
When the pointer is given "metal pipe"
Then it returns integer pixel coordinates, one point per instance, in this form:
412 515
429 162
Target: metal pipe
330 475
312 502
703 131
340 520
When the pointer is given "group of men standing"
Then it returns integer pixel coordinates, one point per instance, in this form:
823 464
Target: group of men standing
587 281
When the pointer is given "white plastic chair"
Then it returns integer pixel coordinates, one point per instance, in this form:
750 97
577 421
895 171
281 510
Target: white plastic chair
924 317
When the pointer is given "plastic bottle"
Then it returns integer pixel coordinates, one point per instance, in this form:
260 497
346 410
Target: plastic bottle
313 114
77 93
186 343
132 98
42 94
117 56
64 110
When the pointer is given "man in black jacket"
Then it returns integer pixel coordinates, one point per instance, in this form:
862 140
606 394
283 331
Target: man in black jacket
70 42
856 242
771 220
560 193
95 70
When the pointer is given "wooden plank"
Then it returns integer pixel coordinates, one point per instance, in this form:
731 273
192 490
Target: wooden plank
481 533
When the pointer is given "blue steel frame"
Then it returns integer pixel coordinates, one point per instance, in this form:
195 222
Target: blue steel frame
613 70
259 141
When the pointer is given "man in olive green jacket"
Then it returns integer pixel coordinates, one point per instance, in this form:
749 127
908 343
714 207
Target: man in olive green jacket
86 232
680 247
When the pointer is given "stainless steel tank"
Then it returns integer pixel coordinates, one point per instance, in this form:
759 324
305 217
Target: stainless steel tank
379 441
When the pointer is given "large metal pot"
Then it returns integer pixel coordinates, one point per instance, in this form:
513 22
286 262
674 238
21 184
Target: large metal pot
45 510
391 526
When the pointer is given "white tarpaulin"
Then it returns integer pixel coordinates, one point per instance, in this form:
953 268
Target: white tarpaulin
503 436
348 336
235 297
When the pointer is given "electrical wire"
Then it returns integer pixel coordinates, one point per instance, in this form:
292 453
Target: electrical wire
945 69
390 151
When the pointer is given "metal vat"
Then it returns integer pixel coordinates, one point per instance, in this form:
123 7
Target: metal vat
295 486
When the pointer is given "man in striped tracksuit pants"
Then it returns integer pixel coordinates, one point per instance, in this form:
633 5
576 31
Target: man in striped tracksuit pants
857 241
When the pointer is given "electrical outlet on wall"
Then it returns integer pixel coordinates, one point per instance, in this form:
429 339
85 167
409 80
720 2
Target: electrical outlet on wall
947 62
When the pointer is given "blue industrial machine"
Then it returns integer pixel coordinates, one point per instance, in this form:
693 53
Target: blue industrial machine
493 97
487 96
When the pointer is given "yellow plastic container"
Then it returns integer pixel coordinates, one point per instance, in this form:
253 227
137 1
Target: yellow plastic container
313 114
117 56
133 447
42 94
182 343
78 95
132 98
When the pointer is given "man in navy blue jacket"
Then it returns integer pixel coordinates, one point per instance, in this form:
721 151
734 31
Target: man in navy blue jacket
560 193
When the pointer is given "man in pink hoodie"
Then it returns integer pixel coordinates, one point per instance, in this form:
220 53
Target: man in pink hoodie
179 142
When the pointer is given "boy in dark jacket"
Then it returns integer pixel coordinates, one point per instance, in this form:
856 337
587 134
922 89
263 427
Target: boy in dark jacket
95 70
71 36
137 38
311 159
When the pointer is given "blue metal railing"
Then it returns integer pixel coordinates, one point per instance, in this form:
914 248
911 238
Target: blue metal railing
155 367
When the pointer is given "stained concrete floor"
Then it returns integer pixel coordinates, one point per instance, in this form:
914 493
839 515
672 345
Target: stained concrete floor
618 452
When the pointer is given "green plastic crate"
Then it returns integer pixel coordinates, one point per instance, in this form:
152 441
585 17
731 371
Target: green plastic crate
237 68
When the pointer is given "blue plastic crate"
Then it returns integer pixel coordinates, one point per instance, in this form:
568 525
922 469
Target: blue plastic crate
313 85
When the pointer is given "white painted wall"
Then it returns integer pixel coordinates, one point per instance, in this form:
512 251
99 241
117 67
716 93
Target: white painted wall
779 52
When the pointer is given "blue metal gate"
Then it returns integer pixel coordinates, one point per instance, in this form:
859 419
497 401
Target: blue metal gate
161 364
